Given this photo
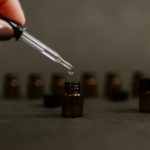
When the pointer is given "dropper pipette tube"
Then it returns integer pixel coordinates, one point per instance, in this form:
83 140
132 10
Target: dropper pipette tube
19 32
45 50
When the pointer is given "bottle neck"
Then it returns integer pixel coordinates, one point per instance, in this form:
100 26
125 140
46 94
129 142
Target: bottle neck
72 88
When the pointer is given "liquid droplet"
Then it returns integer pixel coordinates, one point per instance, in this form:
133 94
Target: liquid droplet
71 72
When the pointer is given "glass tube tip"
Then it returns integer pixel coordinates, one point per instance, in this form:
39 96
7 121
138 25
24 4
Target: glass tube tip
71 71
66 64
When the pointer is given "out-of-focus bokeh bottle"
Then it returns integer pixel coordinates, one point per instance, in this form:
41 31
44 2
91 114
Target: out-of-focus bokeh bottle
89 85
113 84
135 83
11 86
57 84
144 95
35 86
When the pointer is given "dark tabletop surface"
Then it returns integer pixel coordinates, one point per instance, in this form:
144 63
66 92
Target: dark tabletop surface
27 125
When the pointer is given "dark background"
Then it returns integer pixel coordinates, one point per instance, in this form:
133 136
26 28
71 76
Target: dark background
96 35
93 35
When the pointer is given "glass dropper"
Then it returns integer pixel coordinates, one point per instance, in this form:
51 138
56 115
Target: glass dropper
45 50
19 32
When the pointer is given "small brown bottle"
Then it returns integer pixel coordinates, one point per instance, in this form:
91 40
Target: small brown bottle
72 104
57 84
11 88
144 95
90 85
113 83
135 83
35 86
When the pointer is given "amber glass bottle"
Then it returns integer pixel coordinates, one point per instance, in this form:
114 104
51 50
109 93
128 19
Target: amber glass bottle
113 83
90 84
57 85
35 86
144 95
72 105
11 88
135 83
